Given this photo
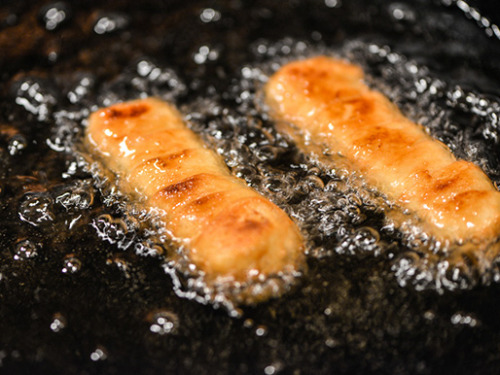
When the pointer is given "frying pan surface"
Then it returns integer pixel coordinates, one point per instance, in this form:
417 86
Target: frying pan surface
81 291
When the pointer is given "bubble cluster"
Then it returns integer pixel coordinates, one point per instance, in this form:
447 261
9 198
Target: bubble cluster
491 29
99 354
110 22
119 231
71 264
142 79
461 318
25 249
58 323
54 15
17 144
208 15
206 53
36 96
12 139
76 195
163 322
36 208
81 89
66 133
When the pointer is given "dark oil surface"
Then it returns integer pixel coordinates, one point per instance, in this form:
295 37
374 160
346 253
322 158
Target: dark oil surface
84 283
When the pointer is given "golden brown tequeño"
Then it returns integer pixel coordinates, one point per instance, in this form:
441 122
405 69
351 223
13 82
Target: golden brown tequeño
231 233
326 100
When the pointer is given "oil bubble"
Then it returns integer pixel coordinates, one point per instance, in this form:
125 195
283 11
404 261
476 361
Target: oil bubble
333 3
149 248
429 315
99 354
206 53
25 249
367 238
401 12
208 15
58 322
36 208
110 22
54 15
64 134
16 144
81 89
71 264
405 267
261 330
461 318
331 343
273 368
163 322
77 195
119 231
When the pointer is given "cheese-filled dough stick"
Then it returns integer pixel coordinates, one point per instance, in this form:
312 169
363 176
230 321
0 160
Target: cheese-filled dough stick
326 100
231 233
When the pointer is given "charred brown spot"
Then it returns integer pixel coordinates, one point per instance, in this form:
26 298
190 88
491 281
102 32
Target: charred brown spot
382 139
184 187
207 199
252 225
446 183
180 187
424 174
374 138
178 155
421 177
347 94
308 72
362 105
130 110
166 161
466 198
